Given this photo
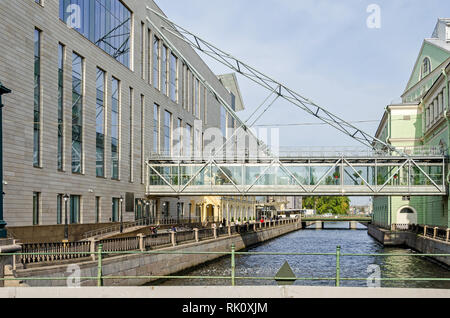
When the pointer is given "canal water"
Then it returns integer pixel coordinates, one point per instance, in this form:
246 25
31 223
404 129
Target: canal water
322 241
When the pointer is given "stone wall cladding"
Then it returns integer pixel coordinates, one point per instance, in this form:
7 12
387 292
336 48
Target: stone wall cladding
18 20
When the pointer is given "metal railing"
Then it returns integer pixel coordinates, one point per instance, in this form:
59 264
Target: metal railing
434 232
338 256
139 223
60 251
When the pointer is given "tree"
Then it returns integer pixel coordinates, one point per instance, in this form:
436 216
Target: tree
322 205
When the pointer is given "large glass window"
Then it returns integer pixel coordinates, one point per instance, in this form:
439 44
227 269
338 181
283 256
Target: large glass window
59 208
77 112
223 121
37 99
188 141
36 203
107 23
60 156
164 70
167 133
115 138
173 78
115 210
155 128
156 62
100 124
75 204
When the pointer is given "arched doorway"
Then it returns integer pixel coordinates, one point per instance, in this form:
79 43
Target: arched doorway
406 215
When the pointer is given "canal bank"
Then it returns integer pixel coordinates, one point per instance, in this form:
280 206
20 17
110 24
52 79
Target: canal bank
417 242
133 265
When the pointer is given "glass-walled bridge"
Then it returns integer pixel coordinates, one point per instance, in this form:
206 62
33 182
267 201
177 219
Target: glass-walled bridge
311 173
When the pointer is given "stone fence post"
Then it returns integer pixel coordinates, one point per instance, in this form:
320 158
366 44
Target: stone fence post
7 246
141 242
435 232
173 238
229 230
448 235
196 234
92 248
215 232
425 230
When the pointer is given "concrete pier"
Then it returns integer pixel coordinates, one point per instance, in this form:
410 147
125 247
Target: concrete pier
353 225
319 225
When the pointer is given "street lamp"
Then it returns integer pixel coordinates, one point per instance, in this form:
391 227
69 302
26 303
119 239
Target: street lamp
3 90
121 214
66 226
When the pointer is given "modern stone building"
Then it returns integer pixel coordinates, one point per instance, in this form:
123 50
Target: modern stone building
422 119
95 92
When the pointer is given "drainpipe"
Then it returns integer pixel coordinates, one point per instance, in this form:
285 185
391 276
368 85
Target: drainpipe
446 114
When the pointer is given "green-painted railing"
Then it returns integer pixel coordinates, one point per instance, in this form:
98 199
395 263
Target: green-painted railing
338 255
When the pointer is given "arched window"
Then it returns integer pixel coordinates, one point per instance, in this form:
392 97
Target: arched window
407 210
426 67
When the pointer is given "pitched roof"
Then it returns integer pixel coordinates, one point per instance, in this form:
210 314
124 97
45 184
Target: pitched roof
231 83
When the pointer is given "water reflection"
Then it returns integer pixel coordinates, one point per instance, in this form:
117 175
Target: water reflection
321 241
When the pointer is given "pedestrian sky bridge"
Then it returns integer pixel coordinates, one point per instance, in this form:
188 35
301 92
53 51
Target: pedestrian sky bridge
380 170
300 173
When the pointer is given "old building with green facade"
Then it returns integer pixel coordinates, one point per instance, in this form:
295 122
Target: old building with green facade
420 121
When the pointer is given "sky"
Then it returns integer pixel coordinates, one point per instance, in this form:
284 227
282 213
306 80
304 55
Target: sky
322 49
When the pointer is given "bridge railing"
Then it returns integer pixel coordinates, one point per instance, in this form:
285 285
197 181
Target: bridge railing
49 253
338 256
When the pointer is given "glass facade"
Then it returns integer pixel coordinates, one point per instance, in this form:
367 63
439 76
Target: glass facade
100 124
97 209
167 133
115 138
173 78
60 156
106 23
37 99
155 128
77 113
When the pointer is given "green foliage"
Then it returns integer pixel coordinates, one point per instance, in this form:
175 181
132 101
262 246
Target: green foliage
323 205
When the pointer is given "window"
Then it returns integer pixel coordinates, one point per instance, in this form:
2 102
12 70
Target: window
436 109
60 155
156 60
115 134
155 128
164 70
194 96
407 211
223 121
59 208
97 209
167 133
115 210
37 99
188 140
131 140
178 138
441 103
143 34
36 207
142 138
426 67
183 85
197 111
77 113
75 201
173 78
100 124
105 23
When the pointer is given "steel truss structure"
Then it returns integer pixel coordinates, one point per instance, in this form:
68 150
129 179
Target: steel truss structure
394 172
321 176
